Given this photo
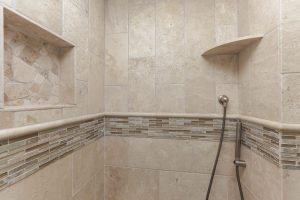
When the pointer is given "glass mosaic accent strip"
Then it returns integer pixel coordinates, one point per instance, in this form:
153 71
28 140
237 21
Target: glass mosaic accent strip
290 150
23 156
169 127
262 140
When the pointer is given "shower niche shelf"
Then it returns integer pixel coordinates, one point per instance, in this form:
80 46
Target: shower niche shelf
232 47
36 65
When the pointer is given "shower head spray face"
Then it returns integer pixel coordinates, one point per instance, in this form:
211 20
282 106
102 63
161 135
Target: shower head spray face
223 100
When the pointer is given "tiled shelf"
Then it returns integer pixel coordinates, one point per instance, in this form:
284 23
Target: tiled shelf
12 18
232 47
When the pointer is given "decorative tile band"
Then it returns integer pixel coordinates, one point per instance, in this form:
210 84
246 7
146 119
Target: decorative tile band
290 150
169 127
262 140
23 156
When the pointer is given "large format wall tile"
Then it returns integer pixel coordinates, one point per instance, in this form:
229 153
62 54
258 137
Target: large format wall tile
142 30
290 98
291 46
291 184
40 12
76 22
116 98
116 59
226 20
290 10
141 91
168 154
116 16
128 183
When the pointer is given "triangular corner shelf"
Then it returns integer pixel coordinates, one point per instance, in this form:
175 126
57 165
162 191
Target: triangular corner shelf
232 47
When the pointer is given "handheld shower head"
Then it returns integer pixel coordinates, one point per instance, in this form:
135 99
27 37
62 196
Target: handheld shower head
223 100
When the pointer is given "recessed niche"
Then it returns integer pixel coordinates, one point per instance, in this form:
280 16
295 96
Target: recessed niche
38 65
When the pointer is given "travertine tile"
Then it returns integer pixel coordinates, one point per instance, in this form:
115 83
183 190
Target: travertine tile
39 11
290 98
170 98
116 98
141 91
199 86
84 166
116 16
225 20
96 85
87 192
182 185
290 10
24 118
291 184
82 64
226 69
170 27
11 3
96 27
263 18
291 47
134 184
242 18
116 59
199 27
178 155
142 30
6 120
76 22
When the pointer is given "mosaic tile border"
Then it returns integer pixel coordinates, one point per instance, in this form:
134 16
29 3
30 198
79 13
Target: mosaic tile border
290 150
23 156
262 140
169 127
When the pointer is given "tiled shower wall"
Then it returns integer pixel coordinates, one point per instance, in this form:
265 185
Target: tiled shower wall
82 22
153 55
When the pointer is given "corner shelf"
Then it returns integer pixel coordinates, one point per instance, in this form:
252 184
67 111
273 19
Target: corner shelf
232 47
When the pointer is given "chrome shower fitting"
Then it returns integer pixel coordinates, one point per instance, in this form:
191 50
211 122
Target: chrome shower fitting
223 100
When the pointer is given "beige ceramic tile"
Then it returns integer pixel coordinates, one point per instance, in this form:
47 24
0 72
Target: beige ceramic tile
199 27
85 166
199 86
182 185
263 18
169 69
116 59
56 180
96 85
82 64
135 2
134 184
96 27
290 10
170 27
170 98
76 22
87 192
116 98
24 118
242 18
291 47
6 120
142 30
225 20
166 154
116 16
39 11
291 184
290 98
11 3
141 91
226 69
